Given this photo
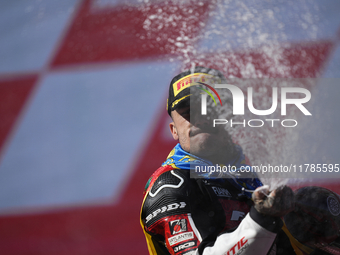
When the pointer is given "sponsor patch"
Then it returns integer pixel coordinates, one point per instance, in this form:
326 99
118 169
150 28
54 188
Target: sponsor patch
238 248
333 205
167 208
221 192
236 215
184 246
178 226
180 238
193 79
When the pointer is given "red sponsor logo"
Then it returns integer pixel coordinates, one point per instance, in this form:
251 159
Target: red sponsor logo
178 226
237 246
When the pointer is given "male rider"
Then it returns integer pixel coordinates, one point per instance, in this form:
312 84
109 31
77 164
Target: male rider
205 214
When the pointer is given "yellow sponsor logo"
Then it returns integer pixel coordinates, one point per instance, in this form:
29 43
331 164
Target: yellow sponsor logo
193 79
179 100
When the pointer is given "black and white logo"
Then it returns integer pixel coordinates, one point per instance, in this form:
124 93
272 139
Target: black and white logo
180 238
236 215
333 205
178 226
221 192
184 246
167 208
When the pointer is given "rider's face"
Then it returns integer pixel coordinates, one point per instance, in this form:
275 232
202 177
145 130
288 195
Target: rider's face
196 133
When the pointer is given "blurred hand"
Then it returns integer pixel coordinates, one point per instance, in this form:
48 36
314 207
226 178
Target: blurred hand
275 203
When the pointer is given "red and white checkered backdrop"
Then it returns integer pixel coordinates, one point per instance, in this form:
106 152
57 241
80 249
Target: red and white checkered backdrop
83 87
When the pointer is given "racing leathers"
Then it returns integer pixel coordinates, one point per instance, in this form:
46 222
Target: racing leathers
184 215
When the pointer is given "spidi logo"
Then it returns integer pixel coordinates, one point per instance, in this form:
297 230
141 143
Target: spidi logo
239 102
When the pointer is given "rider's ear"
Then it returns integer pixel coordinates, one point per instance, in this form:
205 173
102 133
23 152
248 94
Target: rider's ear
173 130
